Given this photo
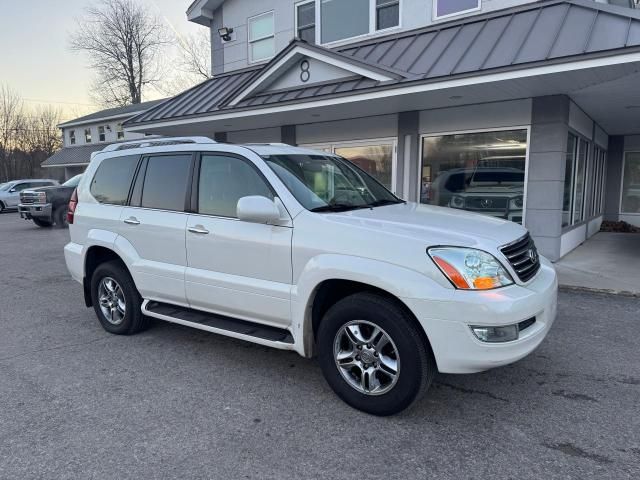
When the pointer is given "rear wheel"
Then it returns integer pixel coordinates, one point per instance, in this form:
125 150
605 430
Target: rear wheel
42 223
116 300
2 207
60 217
373 355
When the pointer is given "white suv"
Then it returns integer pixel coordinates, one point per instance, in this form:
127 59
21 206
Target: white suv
301 250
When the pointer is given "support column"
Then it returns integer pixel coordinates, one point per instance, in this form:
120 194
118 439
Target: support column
545 184
407 156
288 135
615 159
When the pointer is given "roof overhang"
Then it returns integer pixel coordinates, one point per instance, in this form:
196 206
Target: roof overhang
201 11
581 79
74 123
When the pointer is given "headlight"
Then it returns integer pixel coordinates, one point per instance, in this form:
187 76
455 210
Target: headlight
517 202
470 269
457 202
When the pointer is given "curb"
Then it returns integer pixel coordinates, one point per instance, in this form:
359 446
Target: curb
605 291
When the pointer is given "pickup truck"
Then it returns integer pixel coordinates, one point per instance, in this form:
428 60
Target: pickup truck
47 206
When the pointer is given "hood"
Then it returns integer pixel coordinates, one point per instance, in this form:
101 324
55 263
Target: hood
433 225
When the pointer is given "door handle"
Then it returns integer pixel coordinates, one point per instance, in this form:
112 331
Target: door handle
132 221
198 229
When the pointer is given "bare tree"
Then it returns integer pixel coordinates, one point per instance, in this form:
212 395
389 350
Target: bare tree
123 42
11 122
196 55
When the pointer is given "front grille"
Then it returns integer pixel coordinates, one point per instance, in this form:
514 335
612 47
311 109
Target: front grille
486 203
526 323
29 198
523 257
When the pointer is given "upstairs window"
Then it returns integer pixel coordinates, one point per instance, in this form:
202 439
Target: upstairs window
387 14
101 134
306 21
261 37
72 137
87 135
120 132
341 20
448 8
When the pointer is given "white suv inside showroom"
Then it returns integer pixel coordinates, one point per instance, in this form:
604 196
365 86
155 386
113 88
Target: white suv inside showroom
302 250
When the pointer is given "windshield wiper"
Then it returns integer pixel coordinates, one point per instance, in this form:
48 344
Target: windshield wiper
380 203
338 207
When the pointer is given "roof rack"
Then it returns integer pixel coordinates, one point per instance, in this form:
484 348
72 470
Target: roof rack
156 142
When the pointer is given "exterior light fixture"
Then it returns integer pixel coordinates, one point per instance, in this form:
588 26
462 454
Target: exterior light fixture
225 33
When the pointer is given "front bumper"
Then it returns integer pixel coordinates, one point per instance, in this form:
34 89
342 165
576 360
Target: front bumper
36 210
447 322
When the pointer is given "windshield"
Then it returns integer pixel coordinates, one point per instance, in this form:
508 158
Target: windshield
327 183
73 181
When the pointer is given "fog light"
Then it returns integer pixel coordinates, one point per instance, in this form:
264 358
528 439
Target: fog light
508 333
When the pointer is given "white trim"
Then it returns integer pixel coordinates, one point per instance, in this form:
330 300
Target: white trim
527 128
291 57
434 12
369 142
624 163
251 41
405 90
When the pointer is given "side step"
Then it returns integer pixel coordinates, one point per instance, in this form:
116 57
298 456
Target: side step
211 322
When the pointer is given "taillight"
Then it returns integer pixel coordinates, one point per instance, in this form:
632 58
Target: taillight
73 203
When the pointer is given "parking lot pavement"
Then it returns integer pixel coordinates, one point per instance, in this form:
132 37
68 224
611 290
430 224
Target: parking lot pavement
76 402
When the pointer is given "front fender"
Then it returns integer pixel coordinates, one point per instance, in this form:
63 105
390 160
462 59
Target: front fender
401 282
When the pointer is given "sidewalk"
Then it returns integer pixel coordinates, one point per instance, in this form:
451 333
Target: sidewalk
607 261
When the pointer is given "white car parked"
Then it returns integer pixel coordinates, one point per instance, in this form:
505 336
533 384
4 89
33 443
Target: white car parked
302 250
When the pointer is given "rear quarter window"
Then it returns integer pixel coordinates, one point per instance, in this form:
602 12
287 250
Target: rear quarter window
112 180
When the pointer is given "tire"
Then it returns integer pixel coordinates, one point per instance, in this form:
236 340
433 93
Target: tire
2 207
60 217
126 316
362 313
42 223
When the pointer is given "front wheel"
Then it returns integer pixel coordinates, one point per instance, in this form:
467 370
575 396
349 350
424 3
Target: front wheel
373 355
116 300
42 223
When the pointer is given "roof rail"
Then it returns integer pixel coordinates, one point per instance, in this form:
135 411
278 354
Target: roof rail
155 142
272 144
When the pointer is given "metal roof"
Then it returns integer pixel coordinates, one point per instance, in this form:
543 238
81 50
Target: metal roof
532 34
128 110
80 155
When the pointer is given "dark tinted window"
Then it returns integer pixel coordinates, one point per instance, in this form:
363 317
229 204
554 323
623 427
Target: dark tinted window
166 182
112 180
225 180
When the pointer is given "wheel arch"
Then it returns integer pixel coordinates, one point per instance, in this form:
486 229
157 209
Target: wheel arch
323 284
97 255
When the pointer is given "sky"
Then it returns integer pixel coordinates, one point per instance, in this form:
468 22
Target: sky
35 58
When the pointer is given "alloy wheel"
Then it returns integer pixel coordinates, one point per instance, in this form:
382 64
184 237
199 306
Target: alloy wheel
366 357
112 300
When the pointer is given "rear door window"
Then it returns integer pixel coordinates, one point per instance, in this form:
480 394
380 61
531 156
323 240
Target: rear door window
112 181
166 182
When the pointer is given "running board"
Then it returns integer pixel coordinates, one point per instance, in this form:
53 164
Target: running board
211 322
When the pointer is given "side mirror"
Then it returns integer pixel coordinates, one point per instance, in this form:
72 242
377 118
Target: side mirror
257 209
13 190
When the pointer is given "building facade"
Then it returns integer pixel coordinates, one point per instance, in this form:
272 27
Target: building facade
90 133
522 110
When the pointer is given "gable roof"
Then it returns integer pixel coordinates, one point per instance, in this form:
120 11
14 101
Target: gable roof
77 155
534 34
126 111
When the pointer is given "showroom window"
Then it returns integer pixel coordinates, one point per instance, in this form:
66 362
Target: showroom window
376 157
630 202
596 176
261 37
448 8
306 21
574 180
340 20
482 172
